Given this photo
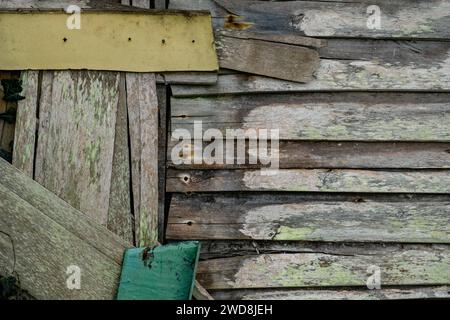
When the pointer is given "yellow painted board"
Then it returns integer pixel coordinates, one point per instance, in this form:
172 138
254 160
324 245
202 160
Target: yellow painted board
117 41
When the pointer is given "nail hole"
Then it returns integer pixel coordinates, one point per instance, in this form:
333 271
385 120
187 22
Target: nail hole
65 39
163 41
186 178
193 41
189 223
129 39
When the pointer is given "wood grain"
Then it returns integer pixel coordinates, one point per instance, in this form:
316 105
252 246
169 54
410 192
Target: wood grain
325 116
330 155
401 19
310 180
142 105
120 218
405 267
49 236
276 60
401 293
311 221
25 129
76 138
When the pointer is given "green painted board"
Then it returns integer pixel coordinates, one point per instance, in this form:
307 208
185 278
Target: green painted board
163 273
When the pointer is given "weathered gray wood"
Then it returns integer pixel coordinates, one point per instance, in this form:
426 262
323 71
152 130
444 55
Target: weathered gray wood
61 212
324 116
192 78
76 138
313 221
25 130
400 19
275 37
310 180
276 60
120 219
161 92
224 249
63 4
328 154
143 130
141 3
354 64
200 293
49 236
6 129
441 292
426 266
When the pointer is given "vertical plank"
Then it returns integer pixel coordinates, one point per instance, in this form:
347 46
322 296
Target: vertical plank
25 132
120 219
161 92
143 129
6 129
3 103
75 147
160 4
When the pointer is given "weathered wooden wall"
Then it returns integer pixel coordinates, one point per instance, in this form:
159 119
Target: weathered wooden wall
364 157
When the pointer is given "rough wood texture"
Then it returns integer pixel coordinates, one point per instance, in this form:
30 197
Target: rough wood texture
120 219
192 78
335 155
25 130
48 236
343 294
421 19
76 138
312 180
275 37
276 60
143 130
6 129
354 64
427 266
310 221
324 116
161 92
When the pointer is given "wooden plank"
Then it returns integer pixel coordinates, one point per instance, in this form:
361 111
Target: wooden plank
441 292
401 19
161 92
310 180
6 129
312 221
275 37
143 125
76 143
324 116
159 41
333 155
25 132
120 218
353 64
49 236
192 78
282 61
141 4
426 266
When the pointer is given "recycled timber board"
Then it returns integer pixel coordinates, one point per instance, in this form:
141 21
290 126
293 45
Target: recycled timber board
26 119
142 103
437 292
312 180
422 19
323 116
157 40
77 120
422 266
277 60
330 155
412 222
48 236
352 65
